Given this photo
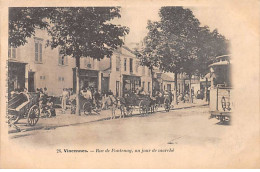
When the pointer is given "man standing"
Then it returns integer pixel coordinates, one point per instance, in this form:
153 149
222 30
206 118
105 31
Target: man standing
64 100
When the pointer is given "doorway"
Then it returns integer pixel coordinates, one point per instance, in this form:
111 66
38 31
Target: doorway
117 88
31 87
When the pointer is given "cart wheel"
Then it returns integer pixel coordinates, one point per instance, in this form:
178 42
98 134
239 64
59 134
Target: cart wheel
130 110
87 108
72 109
15 119
167 105
33 115
156 106
142 108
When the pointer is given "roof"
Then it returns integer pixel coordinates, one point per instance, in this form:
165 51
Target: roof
220 63
128 49
223 56
166 77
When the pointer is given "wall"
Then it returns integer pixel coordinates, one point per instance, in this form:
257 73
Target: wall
118 75
48 73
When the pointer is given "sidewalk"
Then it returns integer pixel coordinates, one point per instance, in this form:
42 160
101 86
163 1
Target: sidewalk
67 119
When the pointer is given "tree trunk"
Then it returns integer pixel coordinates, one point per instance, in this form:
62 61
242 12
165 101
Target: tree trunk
205 91
77 86
176 86
152 90
191 98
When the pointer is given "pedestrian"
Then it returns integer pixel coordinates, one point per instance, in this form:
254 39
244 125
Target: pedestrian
170 96
208 95
45 91
113 106
64 97
25 90
42 100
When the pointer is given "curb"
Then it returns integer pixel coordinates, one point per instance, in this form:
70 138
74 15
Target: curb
101 119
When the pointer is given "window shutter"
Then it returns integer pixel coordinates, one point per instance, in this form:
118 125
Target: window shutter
40 52
36 51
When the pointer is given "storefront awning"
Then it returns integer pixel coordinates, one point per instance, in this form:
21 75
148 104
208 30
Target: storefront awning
131 77
87 73
16 61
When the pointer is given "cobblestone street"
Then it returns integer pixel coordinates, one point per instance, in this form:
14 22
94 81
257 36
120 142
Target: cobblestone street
182 126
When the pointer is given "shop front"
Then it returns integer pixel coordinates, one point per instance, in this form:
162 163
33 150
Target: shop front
16 76
131 83
87 78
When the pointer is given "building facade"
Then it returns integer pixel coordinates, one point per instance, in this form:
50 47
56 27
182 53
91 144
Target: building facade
122 73
163 81
35 66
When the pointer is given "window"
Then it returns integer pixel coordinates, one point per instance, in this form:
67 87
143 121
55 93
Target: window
148 86
117 88
61 78
12 52
42 77
131 65
87 62
136 66
118 63
125 64
38 49
169 87
63 60
143 84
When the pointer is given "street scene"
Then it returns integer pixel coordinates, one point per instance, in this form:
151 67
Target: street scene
89 75
161 129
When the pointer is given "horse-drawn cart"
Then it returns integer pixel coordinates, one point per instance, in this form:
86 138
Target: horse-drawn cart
24 105
133 101
86 105
163 100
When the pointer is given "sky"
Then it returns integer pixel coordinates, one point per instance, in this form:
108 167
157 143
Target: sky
136 17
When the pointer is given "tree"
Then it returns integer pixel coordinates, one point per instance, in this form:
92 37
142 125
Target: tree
178 44
210 45
22 23
85 32
149 56
171 41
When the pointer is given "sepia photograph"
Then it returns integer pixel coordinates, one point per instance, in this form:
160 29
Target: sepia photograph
119 82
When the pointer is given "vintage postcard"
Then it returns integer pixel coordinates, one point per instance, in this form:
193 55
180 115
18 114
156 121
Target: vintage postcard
130 84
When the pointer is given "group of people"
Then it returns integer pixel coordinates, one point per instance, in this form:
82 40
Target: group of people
45 102
93 95
65 97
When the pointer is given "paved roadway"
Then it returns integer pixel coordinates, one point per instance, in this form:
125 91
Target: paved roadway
178 127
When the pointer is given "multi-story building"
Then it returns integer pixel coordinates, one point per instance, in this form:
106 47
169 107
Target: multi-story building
35 66
163 81
122 73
